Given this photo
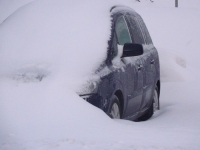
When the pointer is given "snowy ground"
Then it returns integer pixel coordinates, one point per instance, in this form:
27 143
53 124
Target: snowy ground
59 124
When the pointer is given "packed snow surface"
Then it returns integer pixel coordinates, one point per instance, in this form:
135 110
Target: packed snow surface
49 48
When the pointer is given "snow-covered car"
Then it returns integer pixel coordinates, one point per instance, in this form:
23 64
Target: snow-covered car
129 85
106 56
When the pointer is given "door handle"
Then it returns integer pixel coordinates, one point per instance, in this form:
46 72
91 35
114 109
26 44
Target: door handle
152 61
139 67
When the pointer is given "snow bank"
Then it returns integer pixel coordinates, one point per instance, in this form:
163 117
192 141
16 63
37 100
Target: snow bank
57 34
42 62
48 49
9 6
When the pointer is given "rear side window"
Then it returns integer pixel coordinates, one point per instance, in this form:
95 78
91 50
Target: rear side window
122 31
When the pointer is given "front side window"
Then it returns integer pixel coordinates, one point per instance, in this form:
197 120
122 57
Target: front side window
135 29
122 31
144 30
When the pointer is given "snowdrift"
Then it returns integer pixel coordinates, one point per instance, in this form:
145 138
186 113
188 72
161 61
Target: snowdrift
42 64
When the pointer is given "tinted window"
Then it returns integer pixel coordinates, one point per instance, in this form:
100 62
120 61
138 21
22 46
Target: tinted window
135 29
122 31
144 30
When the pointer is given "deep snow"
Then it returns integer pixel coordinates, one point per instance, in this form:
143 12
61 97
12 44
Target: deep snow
49 115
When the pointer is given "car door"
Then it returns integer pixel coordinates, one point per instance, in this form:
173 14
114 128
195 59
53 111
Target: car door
147 58
132 70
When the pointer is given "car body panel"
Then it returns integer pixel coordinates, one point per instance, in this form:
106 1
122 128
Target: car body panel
132 79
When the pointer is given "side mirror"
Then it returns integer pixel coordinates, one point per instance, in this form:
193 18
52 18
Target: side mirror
131 49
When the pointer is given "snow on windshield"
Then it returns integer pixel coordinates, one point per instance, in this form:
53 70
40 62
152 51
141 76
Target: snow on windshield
61 37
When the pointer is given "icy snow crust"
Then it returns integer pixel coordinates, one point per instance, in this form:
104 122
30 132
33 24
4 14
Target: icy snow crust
42 63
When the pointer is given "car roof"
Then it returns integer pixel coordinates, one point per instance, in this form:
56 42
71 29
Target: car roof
122 9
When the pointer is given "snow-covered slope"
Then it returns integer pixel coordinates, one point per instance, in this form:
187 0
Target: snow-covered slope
49 115
8 7
52 36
